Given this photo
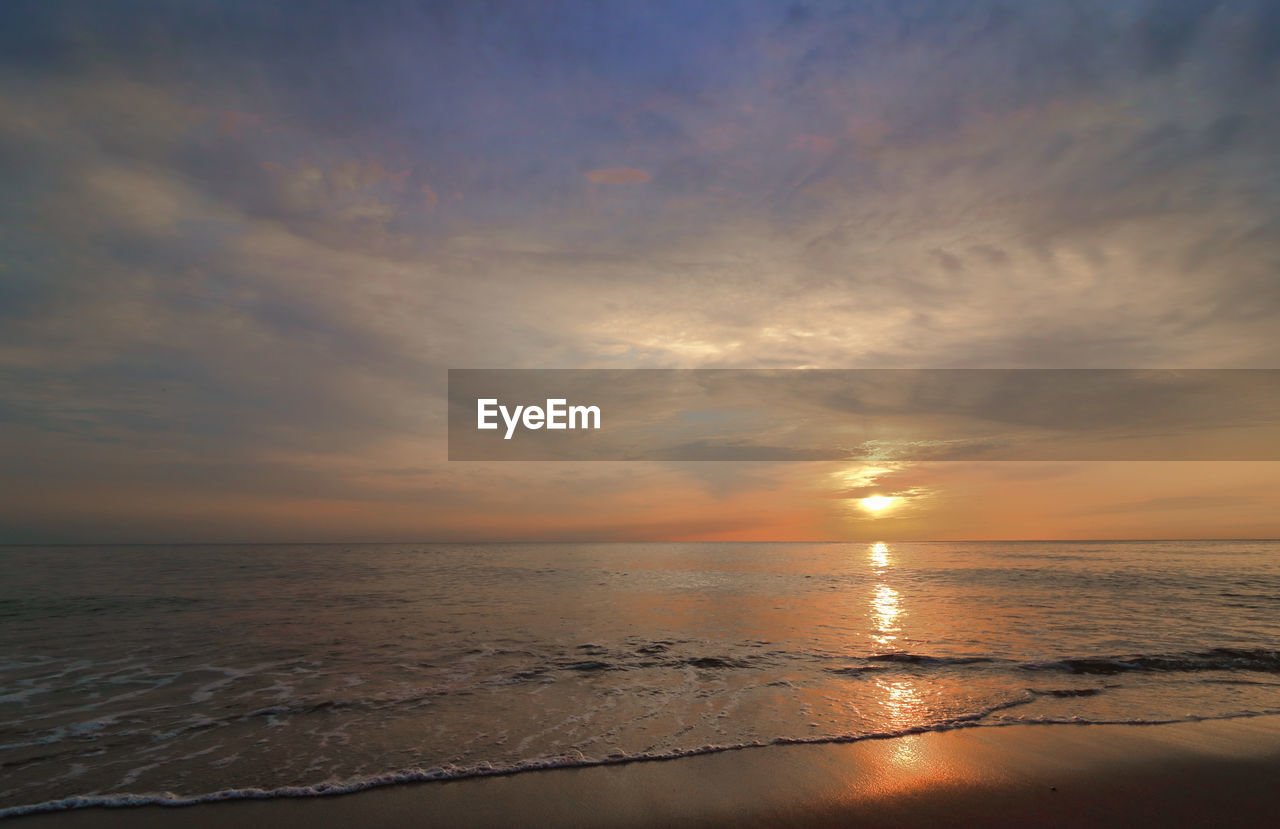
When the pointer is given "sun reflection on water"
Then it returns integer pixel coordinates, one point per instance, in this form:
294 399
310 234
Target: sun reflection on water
903 703
886 603
886 607
906 709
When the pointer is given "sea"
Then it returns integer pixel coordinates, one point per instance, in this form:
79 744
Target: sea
180 674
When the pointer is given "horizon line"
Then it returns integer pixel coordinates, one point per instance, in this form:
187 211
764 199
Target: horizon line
618 541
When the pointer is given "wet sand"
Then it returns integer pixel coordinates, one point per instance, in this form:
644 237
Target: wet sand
1220 773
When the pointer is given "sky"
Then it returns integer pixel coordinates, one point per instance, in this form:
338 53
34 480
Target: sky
241 243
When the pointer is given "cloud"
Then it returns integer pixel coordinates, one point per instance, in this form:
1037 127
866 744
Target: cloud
618 175
1175 504
265 236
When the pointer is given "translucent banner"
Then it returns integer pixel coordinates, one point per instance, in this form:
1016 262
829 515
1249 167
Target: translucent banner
863 414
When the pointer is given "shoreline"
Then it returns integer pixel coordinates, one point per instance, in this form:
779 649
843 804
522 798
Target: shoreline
1225 772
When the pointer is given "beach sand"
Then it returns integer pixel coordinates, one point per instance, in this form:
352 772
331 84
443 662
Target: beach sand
1219 773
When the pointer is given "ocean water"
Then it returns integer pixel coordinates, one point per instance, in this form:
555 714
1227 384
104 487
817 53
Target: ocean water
173 674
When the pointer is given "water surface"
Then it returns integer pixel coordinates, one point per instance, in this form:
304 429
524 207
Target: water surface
190 672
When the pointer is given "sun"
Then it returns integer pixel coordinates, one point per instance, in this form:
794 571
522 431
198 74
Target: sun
877 503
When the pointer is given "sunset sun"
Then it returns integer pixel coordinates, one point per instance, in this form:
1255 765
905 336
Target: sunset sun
877 503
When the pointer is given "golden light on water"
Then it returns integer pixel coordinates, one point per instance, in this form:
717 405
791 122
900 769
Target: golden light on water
903 703
885 609
901 700
886 603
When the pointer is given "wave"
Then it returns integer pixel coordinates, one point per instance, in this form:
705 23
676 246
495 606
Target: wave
419 775
598 659
1213 659
1258 660
922 659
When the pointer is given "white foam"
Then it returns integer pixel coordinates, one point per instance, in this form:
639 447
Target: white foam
573 759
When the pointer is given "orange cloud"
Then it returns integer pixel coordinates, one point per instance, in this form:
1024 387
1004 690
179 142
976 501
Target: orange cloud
618 175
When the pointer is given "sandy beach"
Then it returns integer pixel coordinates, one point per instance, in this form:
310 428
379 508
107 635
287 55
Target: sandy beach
1220 773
